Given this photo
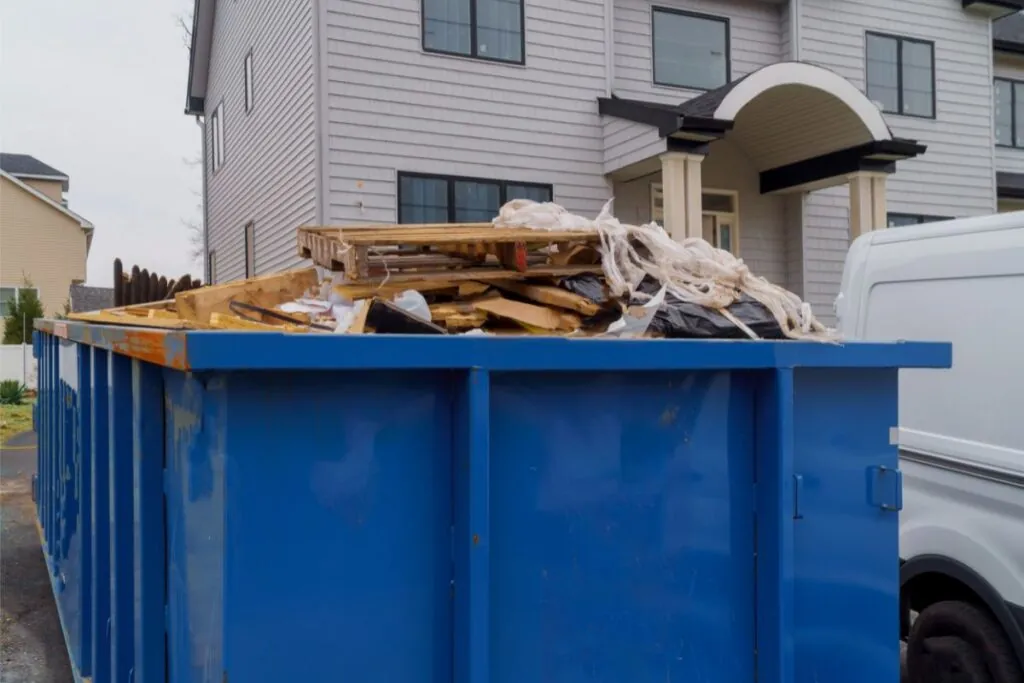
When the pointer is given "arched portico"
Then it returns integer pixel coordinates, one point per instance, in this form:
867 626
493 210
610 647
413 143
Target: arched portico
802 127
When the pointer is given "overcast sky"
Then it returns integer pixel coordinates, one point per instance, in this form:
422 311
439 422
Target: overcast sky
97 90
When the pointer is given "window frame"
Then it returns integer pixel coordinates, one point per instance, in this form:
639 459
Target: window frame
734 215
211 267
1013 83
693 15
249 246
248 82
900 40
217 137
473 41
920 219
17 293
450 180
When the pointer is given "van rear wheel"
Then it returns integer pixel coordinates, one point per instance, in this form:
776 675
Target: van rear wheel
957 642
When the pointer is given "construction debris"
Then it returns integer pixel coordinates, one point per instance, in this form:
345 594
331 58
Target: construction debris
535 269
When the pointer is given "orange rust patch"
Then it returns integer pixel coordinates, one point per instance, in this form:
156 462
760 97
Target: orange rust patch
151 346
476 539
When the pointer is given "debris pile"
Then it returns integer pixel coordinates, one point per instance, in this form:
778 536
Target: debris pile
535 269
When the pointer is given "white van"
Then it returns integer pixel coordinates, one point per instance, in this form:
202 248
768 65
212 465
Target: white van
961 435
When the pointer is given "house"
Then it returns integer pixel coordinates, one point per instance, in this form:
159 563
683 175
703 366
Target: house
41 239
1008 115
777 129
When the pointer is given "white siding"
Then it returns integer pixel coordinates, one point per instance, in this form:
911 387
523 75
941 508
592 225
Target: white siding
1009 66
955 177
269 171
754 43
393 107
627 142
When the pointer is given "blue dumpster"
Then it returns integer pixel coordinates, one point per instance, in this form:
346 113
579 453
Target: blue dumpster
245 507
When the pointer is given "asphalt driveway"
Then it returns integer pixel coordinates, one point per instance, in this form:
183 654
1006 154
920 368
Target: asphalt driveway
31 643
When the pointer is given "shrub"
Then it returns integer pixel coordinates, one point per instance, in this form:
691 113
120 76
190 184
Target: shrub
12 392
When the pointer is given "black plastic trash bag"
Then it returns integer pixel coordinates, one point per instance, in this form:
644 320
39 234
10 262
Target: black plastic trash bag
680 320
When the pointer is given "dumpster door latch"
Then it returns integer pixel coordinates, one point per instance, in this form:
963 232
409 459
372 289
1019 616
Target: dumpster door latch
885 488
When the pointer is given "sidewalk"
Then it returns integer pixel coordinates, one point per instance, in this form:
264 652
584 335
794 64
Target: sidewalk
31 643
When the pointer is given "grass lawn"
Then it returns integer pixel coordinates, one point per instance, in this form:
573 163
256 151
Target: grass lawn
15 420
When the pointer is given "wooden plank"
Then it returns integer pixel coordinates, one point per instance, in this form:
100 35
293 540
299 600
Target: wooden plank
127 320
163 315
472 288
224 321
364 291
482 274
529 314
429 235
465 321
550 295
267 291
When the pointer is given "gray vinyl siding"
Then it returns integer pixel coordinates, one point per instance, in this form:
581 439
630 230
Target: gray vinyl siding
269 170
1012 67
955 176
393 107
754 43
627 142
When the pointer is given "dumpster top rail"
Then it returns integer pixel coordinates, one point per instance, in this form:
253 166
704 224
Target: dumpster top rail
216 350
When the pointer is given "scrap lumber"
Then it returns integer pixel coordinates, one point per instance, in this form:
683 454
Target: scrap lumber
267 291
472 288
539 317
550 295
481 274
110 317
223 321
352 292
384 317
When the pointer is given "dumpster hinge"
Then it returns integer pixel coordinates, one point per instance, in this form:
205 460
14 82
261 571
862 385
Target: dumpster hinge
885 488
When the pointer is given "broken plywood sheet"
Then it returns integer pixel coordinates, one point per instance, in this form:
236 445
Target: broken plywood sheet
532 315
268 291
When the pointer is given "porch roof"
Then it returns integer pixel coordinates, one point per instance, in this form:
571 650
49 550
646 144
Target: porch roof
799 124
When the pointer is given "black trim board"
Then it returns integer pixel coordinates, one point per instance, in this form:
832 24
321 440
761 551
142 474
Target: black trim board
994 8
880 156
1009 185
667 119
1010 619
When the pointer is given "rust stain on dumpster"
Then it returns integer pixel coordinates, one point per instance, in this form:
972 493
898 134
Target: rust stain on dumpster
155 347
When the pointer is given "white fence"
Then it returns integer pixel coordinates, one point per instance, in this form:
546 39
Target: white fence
16 362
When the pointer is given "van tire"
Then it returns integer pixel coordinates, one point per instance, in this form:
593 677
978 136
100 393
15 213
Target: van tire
950 639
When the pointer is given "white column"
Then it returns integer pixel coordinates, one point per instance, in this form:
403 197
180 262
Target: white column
681 188
867 203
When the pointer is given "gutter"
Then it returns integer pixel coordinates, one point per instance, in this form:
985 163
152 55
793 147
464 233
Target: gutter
609 52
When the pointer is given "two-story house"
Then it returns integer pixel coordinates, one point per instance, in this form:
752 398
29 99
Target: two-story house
773 128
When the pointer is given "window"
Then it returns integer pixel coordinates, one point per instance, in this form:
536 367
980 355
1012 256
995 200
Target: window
690 50
444 199
720 216
9 297
1009 112
486 29
901 75
211 266
899 220
247 69
217 134
250 249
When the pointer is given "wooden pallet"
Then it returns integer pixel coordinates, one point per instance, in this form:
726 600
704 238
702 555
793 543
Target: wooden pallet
365 253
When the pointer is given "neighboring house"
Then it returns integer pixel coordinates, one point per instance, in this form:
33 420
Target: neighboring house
40 237
772 128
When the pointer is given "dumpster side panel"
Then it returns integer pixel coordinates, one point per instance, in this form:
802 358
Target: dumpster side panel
621 530
195 527
338 541
846 534
100 514
122 591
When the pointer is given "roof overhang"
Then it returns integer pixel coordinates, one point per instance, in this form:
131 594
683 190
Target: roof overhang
86 225
995 9
65 182
669 120
879 156
199 56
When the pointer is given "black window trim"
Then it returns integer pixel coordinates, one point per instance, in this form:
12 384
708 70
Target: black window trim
900 40
920 218
1013 82
249 78
450 189
473 47
694 15
245 254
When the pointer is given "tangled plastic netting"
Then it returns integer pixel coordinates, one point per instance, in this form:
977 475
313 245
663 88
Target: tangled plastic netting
693 271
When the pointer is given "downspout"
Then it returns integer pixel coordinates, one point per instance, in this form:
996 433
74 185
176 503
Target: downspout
206 211
609 41
794 30
321 133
